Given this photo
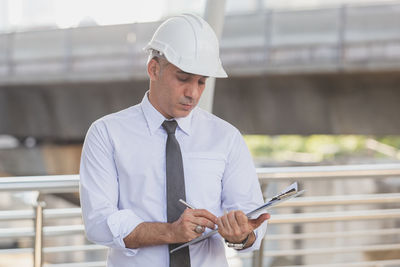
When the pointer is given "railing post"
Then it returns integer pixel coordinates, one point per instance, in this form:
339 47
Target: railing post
341 52
38 246
268 17
10 54
68 51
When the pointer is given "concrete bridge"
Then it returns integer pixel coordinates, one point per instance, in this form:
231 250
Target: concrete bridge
321 71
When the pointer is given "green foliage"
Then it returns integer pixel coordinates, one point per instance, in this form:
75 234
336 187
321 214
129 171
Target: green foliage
316 148
390 140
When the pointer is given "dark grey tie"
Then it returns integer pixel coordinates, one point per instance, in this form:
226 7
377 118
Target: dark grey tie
175 191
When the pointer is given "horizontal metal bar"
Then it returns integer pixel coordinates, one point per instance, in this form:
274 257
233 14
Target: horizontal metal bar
279 218
62 213
351 215
324 172
11 215
73 248
47 231
79 264
16 251
318 235
70 183
270 253
342 200
63 230
382 263
80 229
48 183
17 232
266 254
330 250
298 202
275 219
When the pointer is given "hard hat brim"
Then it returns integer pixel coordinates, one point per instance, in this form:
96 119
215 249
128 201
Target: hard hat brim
188 65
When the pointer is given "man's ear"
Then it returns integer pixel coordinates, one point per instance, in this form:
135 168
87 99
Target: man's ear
153 69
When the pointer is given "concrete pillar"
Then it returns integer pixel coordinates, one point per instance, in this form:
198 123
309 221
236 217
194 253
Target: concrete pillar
215 16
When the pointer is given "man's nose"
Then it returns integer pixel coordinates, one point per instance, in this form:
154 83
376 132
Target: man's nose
192 90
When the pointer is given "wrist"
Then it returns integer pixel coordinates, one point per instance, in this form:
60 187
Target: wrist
245 243
252 239
170 233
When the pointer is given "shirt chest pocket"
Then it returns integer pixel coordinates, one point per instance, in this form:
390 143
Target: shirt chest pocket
203 176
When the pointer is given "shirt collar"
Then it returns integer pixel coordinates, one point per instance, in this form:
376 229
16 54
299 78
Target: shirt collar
154 118
185 123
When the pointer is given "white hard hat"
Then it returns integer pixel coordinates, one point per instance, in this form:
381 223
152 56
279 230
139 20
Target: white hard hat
188 42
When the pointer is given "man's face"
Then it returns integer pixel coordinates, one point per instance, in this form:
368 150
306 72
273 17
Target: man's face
173 92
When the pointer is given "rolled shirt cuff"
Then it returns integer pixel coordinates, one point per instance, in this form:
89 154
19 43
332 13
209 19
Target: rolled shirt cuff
260 233
121 224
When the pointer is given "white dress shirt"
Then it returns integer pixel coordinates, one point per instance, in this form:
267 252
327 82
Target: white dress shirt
122 180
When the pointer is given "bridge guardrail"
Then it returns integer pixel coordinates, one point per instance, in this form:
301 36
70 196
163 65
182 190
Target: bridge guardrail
267 176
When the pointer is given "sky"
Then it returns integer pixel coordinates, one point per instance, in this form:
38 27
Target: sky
107 12
70 13
25 14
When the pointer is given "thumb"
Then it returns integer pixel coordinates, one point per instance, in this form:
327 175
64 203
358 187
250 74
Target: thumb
255 223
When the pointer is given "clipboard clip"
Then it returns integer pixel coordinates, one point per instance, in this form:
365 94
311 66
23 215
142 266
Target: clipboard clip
284 194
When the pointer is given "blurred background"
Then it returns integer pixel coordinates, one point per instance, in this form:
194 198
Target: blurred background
313 86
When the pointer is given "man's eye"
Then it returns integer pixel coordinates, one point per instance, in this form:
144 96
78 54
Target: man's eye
182 79
201 82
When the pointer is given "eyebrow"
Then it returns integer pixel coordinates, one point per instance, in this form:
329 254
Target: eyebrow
184 72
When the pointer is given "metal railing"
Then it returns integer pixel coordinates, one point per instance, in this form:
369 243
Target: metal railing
297 213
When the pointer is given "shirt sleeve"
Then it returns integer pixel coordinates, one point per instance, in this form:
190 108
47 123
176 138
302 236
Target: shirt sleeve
241 189
104 223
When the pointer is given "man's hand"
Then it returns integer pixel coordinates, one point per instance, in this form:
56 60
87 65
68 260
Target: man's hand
235 226
183 230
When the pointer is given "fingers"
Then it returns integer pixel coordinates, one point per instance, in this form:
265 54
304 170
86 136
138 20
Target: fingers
184 229
235 226
205 218
241 219
233 223
206 214
223 222
255 223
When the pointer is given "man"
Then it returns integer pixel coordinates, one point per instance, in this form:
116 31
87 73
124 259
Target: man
137 163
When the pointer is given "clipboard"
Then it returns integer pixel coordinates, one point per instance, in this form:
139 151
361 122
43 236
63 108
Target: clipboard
288 193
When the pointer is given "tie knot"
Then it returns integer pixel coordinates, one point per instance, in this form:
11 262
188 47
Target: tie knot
170 126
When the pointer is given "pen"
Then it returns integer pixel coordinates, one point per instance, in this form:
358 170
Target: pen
186 204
